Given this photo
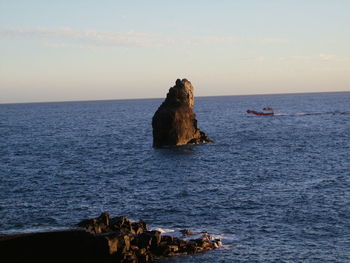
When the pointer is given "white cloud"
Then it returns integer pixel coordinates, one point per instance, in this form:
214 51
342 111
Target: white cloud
129 39
273 40
86 36
327 57
320 57
64 45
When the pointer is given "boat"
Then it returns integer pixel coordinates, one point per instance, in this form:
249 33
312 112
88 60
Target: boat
267 111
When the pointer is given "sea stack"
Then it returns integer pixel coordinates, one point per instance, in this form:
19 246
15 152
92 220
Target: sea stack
174 123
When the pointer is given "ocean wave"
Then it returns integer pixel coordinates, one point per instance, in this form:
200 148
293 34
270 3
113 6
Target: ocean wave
163 230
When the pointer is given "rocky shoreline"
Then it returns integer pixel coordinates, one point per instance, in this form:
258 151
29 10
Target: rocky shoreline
103 239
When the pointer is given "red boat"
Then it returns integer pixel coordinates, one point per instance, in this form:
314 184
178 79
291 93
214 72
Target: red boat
266 112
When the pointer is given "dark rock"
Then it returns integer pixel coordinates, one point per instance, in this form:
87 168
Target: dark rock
174 123
144 240
138 227
113 243
186 232
156 238
167 239
58 246
96 225
148 240
191 247
101 239
121 224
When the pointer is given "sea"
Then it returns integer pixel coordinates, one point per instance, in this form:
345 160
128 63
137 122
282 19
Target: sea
272 188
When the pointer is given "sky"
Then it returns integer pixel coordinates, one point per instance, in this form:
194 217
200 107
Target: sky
95 50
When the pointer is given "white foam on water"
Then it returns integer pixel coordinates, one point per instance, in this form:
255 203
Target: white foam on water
36 230
225 237
228 240
163 230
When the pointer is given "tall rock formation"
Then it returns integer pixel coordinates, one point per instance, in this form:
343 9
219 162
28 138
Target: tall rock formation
174 123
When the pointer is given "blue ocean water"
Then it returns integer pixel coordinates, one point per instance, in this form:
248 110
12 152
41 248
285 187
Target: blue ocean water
274 188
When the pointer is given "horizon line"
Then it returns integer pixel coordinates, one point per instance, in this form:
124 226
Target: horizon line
154 98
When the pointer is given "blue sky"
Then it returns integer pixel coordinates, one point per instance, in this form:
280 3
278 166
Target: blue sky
92 50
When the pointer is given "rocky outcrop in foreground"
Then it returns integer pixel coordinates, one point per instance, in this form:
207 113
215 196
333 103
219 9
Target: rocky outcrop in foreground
174 123
102 239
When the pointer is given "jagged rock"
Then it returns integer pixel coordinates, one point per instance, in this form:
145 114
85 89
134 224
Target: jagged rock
101 239
130 241
174 123
186 232
96 225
